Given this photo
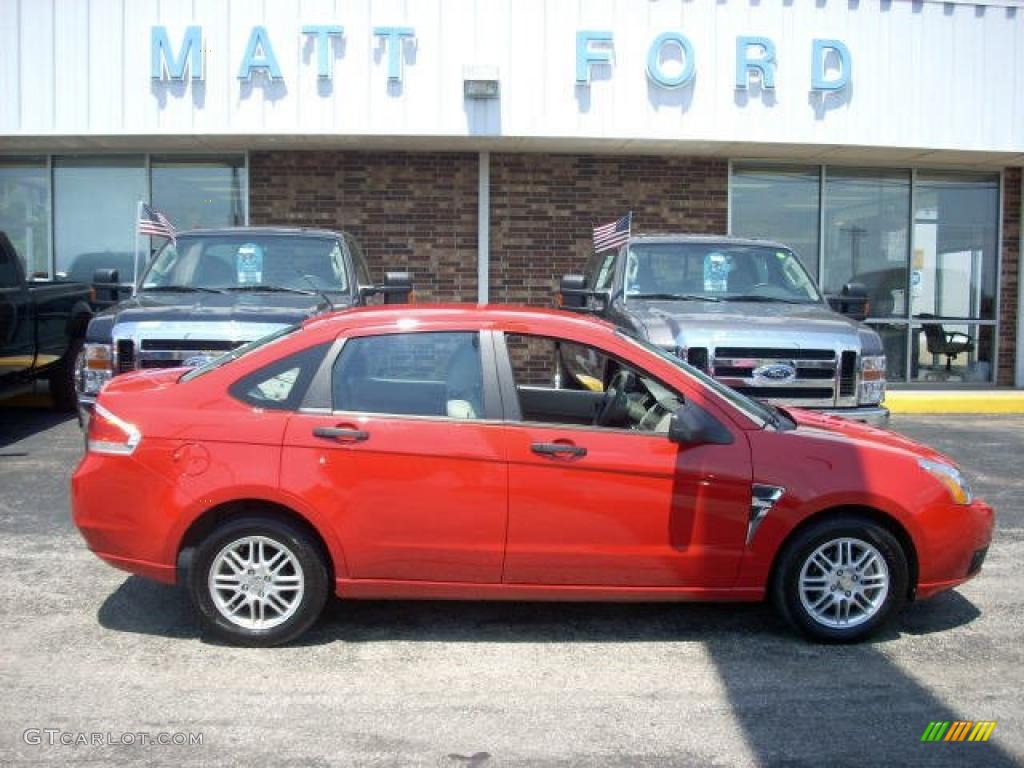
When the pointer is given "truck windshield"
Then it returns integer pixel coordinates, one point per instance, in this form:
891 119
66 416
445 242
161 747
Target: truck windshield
717 272
248 261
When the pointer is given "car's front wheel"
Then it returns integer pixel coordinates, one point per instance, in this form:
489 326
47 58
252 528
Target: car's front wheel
841 579
258 581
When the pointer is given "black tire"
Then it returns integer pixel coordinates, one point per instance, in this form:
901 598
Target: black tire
62 379
786 592
312 574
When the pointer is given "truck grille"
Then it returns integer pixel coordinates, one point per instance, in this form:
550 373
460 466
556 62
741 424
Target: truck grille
125 355
820 378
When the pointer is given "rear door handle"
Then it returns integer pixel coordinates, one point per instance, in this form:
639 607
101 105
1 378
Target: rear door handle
558 449
341 434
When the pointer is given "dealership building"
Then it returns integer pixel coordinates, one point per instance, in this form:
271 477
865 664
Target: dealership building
477 142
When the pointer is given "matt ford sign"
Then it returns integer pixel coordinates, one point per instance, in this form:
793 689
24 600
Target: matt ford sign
672 57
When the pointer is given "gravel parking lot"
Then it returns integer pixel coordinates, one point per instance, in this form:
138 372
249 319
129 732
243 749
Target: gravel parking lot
88 649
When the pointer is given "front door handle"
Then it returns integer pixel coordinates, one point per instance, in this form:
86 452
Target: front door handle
341 434
558 449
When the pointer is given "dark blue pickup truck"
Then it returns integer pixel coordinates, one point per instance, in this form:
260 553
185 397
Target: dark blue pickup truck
42 328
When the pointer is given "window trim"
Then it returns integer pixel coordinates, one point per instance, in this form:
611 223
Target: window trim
319 397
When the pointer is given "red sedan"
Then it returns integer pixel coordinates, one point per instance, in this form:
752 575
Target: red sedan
499 453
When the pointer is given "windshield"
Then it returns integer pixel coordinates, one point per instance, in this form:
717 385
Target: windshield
717 272
241 351
249 261
752 408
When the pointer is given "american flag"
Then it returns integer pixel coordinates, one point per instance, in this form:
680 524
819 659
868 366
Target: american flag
152 222
614 234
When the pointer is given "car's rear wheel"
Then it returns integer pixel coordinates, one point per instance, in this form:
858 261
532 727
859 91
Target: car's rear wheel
258 581
841 579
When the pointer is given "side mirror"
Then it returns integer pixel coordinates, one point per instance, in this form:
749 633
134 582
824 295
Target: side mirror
573 295
572 292
852 301
691 425
398 288
106 277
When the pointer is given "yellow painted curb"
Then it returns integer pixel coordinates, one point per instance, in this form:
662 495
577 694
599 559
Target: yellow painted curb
952 401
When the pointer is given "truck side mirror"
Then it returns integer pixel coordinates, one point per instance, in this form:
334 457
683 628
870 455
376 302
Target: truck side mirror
691 425
397 288
852 301
573 295
106 277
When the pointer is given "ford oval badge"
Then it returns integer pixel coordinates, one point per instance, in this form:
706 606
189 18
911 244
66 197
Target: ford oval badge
776 373
195 361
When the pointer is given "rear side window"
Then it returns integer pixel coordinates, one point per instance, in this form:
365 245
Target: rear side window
281 385
415 374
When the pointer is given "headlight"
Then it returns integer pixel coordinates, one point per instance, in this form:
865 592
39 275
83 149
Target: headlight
951 477
95 369
872 379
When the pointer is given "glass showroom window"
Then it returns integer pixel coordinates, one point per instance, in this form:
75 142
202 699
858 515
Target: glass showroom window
199 191
779 202
95 200
953 276
947 261
25 210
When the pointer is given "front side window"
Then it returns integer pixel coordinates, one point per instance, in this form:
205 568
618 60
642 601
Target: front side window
567 383
719 271
414 374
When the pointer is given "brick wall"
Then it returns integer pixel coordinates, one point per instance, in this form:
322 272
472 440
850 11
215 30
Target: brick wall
543 208
1011 275
413 211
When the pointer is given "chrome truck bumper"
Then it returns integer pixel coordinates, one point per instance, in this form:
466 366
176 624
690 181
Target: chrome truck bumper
875 415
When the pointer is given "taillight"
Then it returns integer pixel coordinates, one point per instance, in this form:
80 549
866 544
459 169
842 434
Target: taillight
111 434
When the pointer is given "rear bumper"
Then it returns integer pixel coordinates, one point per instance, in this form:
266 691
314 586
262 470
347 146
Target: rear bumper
875 415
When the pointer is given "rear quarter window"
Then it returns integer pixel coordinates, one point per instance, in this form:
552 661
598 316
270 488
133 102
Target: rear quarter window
281 385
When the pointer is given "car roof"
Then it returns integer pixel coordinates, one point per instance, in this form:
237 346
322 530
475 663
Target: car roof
304 231
709 239
474 314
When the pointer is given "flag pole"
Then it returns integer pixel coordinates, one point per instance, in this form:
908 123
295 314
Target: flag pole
135 257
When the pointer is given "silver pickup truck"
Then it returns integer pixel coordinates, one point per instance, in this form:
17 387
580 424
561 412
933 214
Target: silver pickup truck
744 311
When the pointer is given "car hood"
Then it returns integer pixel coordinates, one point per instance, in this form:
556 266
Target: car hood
712 324
812 423
206 309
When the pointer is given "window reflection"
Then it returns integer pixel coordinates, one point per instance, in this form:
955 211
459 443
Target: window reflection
867 213
778 202
25 210
198 192
95 208
953 267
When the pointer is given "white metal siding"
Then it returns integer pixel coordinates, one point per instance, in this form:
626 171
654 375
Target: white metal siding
925 75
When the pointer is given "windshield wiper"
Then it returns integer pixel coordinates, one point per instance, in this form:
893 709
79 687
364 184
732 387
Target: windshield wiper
181 288
759 297
673 296
271 289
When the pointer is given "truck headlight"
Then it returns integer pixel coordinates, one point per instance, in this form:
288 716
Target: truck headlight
951 478
95 369
872 380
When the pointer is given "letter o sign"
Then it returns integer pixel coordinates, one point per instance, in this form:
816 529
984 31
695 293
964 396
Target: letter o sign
654 69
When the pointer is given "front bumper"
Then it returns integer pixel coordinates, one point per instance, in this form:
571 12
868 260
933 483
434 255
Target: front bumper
953 545
875 415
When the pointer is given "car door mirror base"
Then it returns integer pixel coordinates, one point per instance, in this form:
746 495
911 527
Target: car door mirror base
691 425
